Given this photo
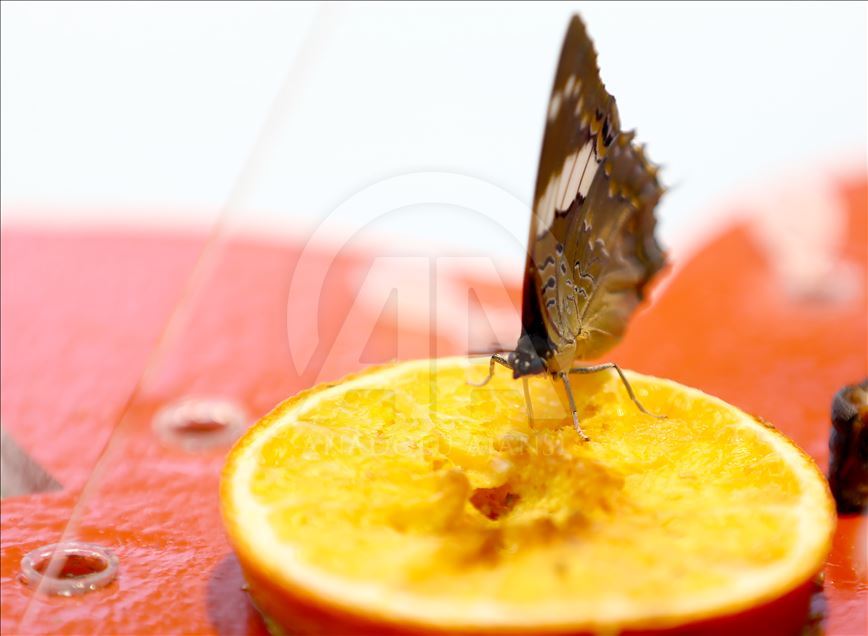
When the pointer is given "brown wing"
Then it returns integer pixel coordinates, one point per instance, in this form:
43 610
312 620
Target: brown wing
592 248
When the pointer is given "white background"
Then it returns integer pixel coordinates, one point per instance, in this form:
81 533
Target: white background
148 113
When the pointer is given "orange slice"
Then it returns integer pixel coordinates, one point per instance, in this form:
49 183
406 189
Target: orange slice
404 499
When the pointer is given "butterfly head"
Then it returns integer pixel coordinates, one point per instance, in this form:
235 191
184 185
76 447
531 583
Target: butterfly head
525 360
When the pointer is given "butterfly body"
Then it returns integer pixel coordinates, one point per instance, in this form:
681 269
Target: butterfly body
591 250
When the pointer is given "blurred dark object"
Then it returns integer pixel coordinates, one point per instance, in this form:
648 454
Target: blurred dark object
848 446
19 473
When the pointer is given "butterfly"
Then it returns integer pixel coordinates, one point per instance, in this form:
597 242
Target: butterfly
592 250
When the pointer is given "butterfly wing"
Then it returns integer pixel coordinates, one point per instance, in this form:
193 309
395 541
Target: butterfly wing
592 248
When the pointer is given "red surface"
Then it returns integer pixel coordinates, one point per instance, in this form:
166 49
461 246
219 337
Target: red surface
81 312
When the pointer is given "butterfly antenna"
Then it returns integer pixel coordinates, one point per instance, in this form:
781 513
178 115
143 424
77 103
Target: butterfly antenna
566 380
496 358
611 365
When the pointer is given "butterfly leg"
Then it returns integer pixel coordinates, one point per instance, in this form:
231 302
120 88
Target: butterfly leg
499 359
527 400
566 380
611 365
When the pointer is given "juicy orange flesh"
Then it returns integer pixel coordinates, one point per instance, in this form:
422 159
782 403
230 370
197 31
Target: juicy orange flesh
449 491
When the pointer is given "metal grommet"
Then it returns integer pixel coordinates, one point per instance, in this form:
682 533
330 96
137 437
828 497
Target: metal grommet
197 425
69 569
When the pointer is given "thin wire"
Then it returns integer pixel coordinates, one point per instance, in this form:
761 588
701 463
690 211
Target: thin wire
202 270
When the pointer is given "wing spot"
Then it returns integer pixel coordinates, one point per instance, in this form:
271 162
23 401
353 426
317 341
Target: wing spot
577 169
588 174
571 182
555 106
580 105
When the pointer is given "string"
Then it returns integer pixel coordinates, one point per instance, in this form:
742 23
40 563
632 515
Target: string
202 270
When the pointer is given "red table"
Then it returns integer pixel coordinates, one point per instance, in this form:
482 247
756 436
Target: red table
82 312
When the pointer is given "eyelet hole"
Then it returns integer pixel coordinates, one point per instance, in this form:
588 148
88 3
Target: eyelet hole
69 569
196 425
